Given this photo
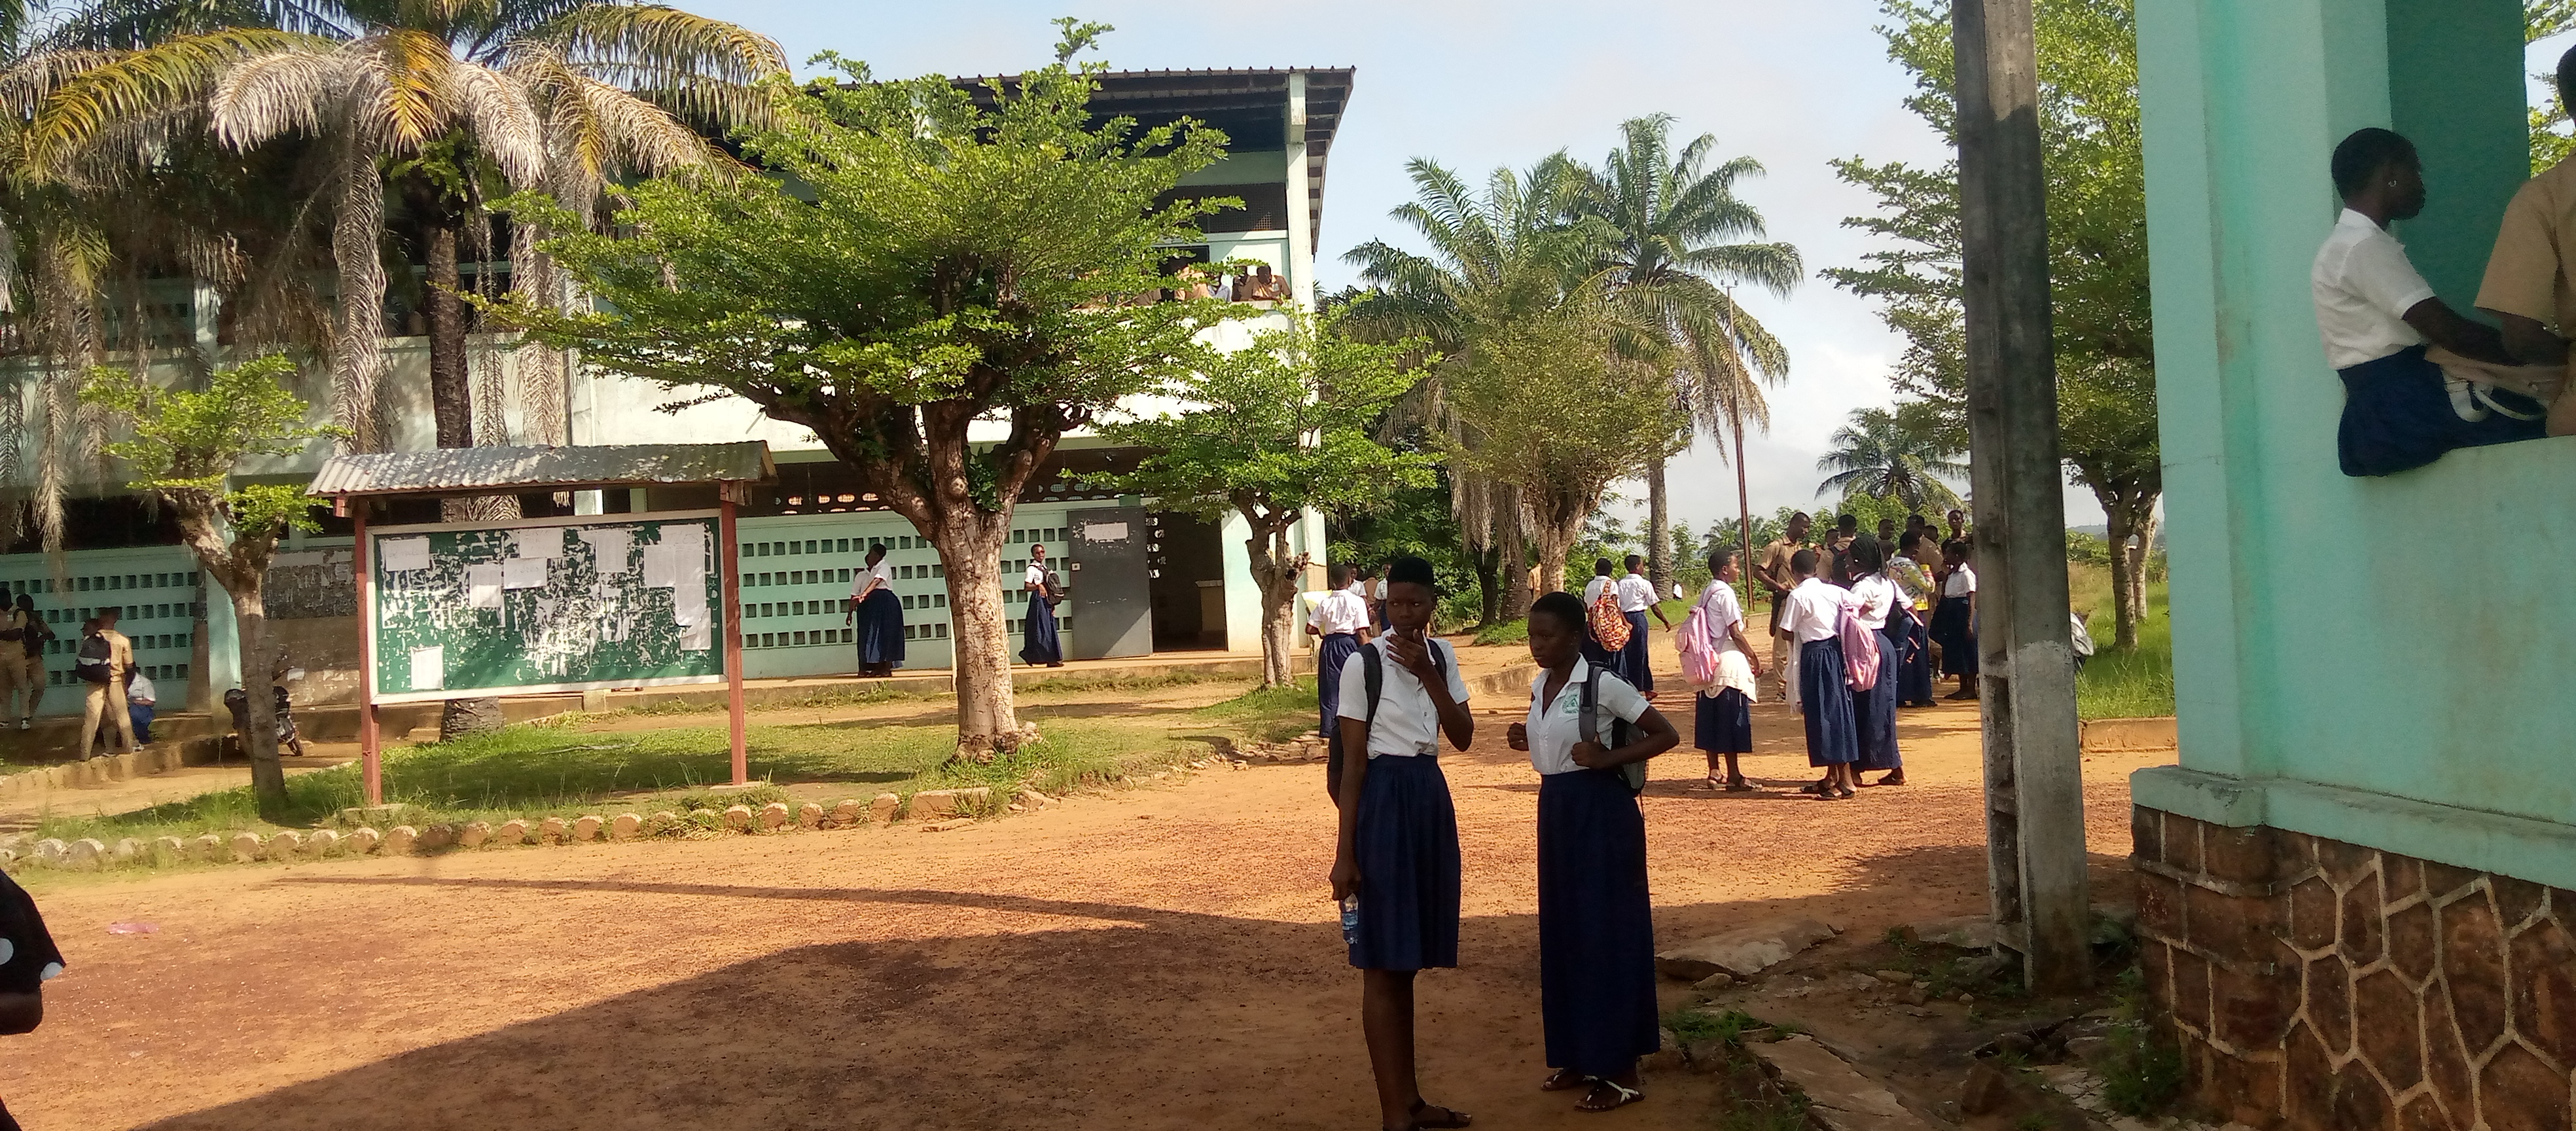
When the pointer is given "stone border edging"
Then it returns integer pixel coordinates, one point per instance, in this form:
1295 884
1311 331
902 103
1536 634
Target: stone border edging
157 758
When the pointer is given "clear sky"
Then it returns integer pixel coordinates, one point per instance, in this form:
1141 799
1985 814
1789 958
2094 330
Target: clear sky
1505 83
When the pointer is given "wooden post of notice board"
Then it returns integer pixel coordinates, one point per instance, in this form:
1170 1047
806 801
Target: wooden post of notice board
728 557
370 748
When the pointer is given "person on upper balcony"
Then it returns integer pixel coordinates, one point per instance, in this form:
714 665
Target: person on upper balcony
2526 285
2378 317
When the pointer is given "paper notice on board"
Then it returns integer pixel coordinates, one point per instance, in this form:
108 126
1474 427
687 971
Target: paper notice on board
483 587
688 546
402 554
542 542
608 549
696 638
1104 532
689 604
523 573
661 568
428 669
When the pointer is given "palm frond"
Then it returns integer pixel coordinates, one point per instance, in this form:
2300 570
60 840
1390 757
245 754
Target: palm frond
87 103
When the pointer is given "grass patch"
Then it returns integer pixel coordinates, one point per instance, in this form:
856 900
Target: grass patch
558 769
2123 683
1508 632
1700 1025
2141 1070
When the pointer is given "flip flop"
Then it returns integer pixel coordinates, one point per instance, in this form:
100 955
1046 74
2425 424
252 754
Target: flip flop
1740 787
1565 1080
1448 1118
1621 1096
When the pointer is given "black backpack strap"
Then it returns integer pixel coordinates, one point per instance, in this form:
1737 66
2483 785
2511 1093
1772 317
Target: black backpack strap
1372 677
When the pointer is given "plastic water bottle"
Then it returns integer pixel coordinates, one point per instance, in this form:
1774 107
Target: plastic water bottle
1350 920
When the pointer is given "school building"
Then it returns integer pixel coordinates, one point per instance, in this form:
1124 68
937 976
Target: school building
2357 889
1184 586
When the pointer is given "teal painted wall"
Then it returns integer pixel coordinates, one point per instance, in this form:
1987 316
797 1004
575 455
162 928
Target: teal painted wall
2410 636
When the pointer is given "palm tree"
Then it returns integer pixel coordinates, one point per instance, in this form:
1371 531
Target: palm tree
1682 240
564 96
1886 455
1494 257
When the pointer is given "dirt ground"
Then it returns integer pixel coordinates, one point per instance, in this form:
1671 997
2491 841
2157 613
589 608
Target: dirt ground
1154 957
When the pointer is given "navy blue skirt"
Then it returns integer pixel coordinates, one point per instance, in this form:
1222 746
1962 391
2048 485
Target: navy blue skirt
1633 663
1825 699
2397 416
1957 634
1874 712
1406 846
1337 650
1724 724
1039 645
1596 927
1914 662
881 628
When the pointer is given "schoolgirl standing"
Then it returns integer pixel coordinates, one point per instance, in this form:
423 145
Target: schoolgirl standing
1722 723
1814 620
1396 860
1954 623
1636 598
879 615
1039 643
1340 623
1596 931
1881 606
1594 653
1914 647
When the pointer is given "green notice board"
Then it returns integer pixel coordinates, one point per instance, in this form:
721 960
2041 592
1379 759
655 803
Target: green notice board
545 605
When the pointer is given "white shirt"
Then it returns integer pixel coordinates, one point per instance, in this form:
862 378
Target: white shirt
1962 582
1878 597
1813 611
1593 589
879 572
1635 593
141 691
1556 726
1037 575
1407 722
1723 610
2364 285
1340 611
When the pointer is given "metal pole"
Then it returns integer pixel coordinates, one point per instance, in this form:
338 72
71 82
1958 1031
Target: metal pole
729 560
2034 774
370 749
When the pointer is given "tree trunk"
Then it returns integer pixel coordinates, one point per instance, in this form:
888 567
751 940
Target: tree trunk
259 681
1512 545
451 405
970 547
1553 545
1489 584
1659 535
1743 497
2116 516
358 225
1275 574
2142 526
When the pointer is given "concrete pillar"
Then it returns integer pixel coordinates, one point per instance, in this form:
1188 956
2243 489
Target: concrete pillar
1301 226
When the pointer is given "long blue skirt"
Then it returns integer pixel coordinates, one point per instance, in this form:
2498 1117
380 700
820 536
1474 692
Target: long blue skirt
1874 712
1634 664
1406 846
1825 699
1039 644
1724 724
2397 416
1596 927
1914 662
881 628
1957 634
1336 651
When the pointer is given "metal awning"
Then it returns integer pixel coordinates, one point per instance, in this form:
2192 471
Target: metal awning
487 471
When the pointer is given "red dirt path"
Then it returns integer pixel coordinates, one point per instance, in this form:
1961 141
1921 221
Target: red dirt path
1159 957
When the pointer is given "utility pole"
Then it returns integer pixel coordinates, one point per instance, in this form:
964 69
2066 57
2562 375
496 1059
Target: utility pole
2034 776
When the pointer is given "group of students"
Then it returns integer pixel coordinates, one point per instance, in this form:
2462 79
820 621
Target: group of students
1396 696
2419 378
877 614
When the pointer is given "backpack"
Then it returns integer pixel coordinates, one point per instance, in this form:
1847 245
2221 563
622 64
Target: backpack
1588 719
1609 625
1860 647
1373 678
91 666
1698 647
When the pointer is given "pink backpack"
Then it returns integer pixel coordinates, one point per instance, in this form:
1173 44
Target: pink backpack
1698 647
1860 646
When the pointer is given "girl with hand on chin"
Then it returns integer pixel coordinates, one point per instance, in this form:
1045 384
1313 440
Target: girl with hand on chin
1596 931
1396 867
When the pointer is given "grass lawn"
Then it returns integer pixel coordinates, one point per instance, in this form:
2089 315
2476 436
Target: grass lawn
2117 683
570 766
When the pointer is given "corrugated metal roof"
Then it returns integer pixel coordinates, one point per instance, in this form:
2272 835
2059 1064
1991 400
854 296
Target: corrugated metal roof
466 471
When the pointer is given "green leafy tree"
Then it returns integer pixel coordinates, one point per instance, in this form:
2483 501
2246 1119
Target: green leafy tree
924 261
1679 241
1885 455
184 448
1271 433
2550 143
2095 172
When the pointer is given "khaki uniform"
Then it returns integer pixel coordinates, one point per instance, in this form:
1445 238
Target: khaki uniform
2527 274
1774 569
20 671
109 698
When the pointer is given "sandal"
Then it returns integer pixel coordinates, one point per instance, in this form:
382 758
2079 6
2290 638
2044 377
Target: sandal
1565 1080
1739 786
1897 778
1620 1096
1448 1118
